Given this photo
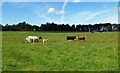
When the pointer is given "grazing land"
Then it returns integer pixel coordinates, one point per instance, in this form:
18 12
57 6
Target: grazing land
99 52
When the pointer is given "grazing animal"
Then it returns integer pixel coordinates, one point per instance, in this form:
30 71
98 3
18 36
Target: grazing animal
80 37
92 32
71 37
27 39
32 38
45 40
40 38
100 31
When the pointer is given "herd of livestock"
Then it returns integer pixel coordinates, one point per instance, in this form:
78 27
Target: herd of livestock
44 40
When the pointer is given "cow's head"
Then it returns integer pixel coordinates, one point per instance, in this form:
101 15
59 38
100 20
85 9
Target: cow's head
40 37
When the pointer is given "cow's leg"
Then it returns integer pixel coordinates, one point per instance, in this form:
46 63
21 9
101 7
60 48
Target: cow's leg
67 38
28 40
33 40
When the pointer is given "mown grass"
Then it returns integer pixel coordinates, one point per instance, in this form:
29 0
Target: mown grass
98 53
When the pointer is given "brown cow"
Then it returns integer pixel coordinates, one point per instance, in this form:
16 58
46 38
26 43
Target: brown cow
80 37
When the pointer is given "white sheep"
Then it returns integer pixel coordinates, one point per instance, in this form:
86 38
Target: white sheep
45 40
32 38
27 39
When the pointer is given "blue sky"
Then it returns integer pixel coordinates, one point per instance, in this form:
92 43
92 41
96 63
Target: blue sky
37 13
59 0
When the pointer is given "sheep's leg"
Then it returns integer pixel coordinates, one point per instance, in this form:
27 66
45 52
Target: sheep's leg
29 40
33 40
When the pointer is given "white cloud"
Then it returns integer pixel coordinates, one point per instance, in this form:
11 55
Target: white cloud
59 12
63 10
78 17
89 17
46 18
76 1
94 14
51 10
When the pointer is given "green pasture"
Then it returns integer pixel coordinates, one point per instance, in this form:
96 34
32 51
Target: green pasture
99 52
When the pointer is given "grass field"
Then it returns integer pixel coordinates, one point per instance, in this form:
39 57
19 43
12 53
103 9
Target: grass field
98 52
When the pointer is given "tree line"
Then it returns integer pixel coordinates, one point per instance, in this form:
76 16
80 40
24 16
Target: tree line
23 26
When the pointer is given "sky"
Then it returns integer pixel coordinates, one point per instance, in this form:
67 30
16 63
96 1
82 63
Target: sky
75 12
59 0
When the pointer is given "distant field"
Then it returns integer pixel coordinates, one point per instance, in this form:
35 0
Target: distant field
98 52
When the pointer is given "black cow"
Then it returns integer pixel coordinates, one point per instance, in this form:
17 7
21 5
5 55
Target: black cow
92 32
71 37
40 37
